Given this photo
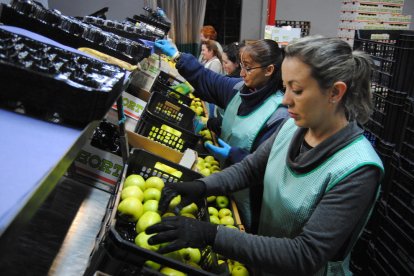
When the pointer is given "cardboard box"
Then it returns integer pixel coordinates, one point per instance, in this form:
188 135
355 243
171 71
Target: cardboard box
103 169
133 108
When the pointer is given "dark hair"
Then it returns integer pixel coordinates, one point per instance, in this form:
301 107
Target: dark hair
212 46
267 52
232 51
332 60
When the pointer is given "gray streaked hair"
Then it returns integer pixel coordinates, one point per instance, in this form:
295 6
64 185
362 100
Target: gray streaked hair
332 60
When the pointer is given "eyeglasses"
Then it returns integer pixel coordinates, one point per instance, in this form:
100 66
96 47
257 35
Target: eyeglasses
249 69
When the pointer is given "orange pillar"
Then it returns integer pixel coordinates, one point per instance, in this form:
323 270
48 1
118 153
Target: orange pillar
271 12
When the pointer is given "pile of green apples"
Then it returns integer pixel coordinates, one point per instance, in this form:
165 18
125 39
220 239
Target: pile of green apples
139 204
197 106
207 136
207 165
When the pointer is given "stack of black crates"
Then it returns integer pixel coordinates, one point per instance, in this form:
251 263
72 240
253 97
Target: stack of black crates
386 247
303 25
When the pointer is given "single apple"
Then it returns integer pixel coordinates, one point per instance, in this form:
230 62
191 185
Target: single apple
142 241
190 208
205 172
135 180
168 214
214 220
131 208
213 211
239 270
147 219
190 254
174 202
227 220
132 191
154 182
209 158
152 264
222 201
171 272
223 212
150 205
175 255
211 199
152 193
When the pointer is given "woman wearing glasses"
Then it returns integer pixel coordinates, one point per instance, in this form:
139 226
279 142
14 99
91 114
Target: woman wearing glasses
252 104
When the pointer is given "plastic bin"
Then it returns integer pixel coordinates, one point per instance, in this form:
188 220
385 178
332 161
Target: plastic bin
163 85
71 31
303 25
116 252
48 80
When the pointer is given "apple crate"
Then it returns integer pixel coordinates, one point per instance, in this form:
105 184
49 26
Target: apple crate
166 132
115 252
166 90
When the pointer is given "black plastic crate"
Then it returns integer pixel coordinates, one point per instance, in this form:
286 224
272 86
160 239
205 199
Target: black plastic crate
163 85
49 80
378 263
404 67
170 110
407 136
117 253
303 25
164 132
70 31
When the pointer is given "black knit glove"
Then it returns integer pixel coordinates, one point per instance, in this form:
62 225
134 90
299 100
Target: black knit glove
192 191
181 232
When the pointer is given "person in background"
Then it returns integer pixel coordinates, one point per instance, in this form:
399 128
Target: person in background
231 60
320 174
211 56
209 33
252 104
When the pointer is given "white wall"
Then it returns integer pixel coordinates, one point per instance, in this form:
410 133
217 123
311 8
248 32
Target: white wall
253 19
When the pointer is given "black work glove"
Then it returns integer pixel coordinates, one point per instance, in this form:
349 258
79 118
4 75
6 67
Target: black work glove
192 191
181 232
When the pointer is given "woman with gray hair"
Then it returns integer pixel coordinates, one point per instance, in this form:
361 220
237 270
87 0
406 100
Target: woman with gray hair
320 174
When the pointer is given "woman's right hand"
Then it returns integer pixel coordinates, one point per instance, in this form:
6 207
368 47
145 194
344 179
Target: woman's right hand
166 47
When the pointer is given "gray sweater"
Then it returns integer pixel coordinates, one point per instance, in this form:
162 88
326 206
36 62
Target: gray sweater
327 234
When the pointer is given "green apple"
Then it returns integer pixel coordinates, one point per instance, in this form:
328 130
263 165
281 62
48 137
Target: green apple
168 214
227 220
151 205
214 220
135 180
153 265
188 215
132 191
171 272
175 255
147 219
190 208
154 182
152 193
211 199
209 158
174 202
222 201
223 212
190 254
239 270
131 207
205 172
142 241
213 211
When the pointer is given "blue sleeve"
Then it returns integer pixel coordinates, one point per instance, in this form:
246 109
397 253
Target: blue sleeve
209 86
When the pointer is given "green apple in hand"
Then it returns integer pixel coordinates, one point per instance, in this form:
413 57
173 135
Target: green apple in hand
132 191
190 208
142 240
227 220
213 211
131 207
168 214
152 193
171 272
190 254
150 205
188 215
147 219
222 201
239 270
174 202
154 182
224 212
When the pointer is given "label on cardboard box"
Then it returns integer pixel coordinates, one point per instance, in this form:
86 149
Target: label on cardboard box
100 165
133 106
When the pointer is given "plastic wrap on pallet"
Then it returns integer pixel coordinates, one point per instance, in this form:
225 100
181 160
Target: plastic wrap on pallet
51 80
71 31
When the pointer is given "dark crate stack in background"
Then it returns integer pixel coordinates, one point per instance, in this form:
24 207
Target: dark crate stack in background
303 25
386 247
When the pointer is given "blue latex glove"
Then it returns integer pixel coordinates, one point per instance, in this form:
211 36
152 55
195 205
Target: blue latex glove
221 153
166 47
161 12
198 124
